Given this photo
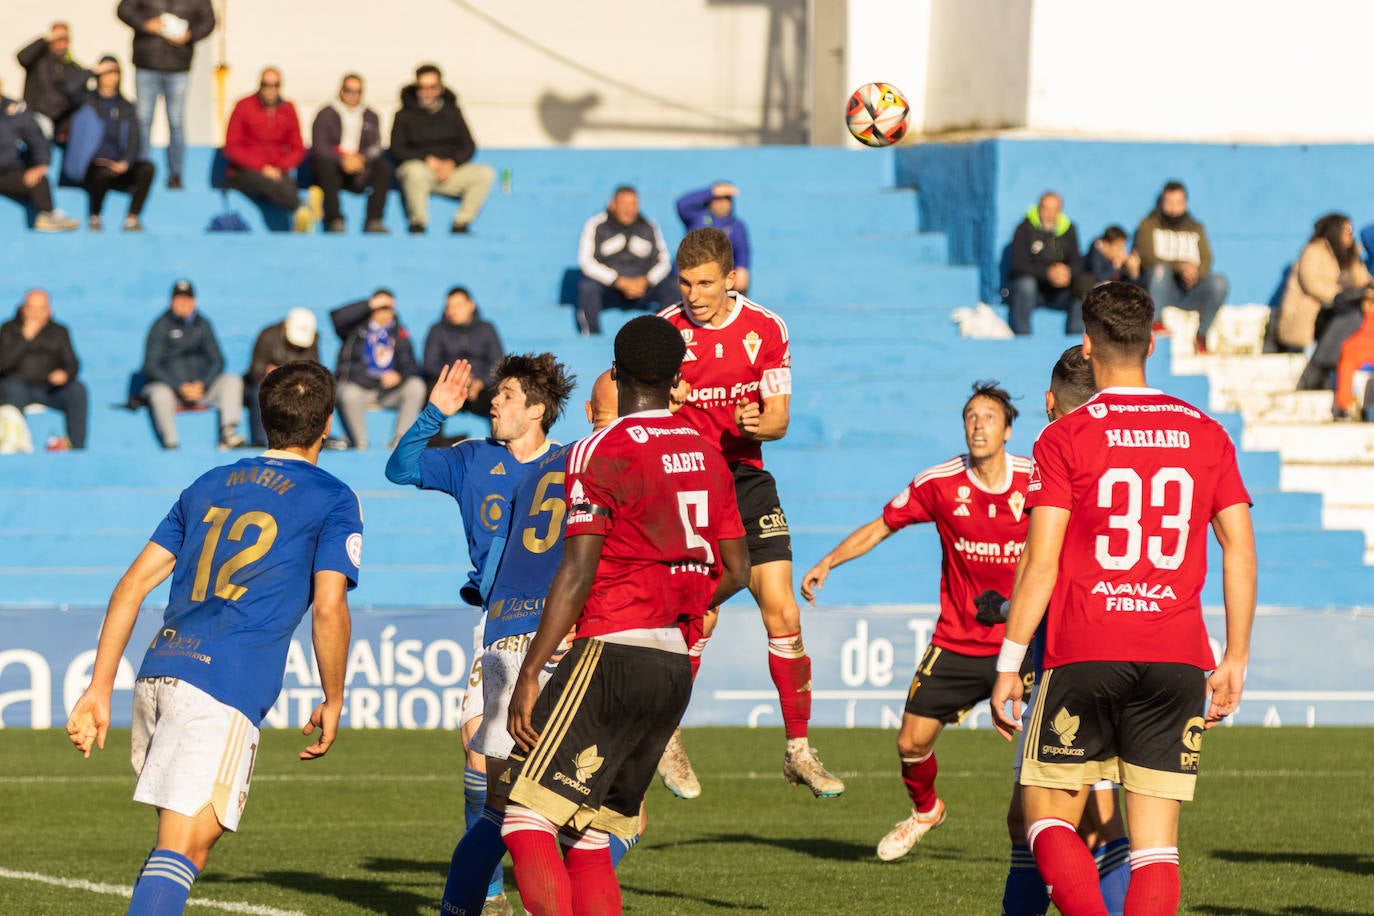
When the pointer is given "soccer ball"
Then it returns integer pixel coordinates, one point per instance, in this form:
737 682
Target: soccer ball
877 114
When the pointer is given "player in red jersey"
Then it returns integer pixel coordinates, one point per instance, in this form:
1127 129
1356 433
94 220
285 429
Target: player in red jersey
652 538
977 502
738 385
1123 491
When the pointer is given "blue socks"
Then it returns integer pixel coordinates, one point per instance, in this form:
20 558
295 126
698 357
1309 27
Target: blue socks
163 884
1114 873
473 858
1025 894
619 847
474 802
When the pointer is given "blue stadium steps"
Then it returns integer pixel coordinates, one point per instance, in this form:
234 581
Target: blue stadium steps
880 372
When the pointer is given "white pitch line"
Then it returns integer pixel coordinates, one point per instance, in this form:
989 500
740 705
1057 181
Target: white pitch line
117 890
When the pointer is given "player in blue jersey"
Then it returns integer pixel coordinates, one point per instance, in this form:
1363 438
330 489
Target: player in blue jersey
481 475
249 547
1071 385
518 572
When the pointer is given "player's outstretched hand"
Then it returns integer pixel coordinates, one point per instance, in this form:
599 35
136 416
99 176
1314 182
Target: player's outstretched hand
451 390
748 417
1225 687
519 717
814 581
1007 688
326 719
989 606
89 722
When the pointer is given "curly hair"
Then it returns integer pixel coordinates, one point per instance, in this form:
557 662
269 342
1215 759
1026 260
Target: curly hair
543 379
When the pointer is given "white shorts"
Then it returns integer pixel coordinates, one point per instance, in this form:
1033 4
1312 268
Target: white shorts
190 750
501 663
472 705
1027 702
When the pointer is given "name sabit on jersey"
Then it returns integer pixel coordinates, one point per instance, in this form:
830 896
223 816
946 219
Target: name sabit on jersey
1148 438
682 462
990 548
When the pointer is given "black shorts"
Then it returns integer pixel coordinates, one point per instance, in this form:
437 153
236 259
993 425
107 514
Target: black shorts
947 684
603 720
765 524
1136 723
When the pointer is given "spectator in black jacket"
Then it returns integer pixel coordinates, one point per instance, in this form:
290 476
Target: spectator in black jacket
1045 260
433 146
24 175
376 366
461 334
183 367
50 76
103 153
346 153
624 262
165 36
1109 258
292 340
38 365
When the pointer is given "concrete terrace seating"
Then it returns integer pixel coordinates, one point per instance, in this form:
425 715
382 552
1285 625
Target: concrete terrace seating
880 372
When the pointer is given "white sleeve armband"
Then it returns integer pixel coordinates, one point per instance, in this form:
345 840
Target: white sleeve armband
775 382
1010 658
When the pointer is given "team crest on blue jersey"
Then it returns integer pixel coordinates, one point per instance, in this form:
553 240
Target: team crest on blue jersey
493 510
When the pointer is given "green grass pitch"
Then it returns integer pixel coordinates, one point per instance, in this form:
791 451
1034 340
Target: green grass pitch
1281 825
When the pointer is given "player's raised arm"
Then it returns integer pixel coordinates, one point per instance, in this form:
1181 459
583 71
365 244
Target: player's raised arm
567 594
1036 574
331 628
90 717
857 543
1236 535
449 394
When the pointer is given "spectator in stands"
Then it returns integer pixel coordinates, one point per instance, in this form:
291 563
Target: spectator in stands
715 207
1357 352
433 147
263 145
346 153
103 154
376 366
1045 261
183 367
624 262
24 158
460 333
38 365
51 75
165 36
292 340
1328 267
1110 259
1176 261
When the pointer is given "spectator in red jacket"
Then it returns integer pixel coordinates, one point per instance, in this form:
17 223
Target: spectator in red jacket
263 145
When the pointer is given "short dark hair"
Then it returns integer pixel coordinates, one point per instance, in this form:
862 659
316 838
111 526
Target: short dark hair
1118 319
1173 185
993 391
1113 233
296 401
543 379
702 246
383 291
455 290
1071 380
624 189
427 68
649 351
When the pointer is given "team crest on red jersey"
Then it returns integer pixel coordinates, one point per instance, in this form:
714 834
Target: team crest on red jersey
752 343
1017 503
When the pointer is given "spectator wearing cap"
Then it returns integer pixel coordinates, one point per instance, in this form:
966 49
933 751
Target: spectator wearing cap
38 365
292 340
376 366
103 152
50 74
346 154
184 367
714 207
461 333
263 145
24 159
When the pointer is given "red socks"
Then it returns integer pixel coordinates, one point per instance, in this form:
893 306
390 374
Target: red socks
1153 890
1068 868
545 887
790 668
919 776
595 889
